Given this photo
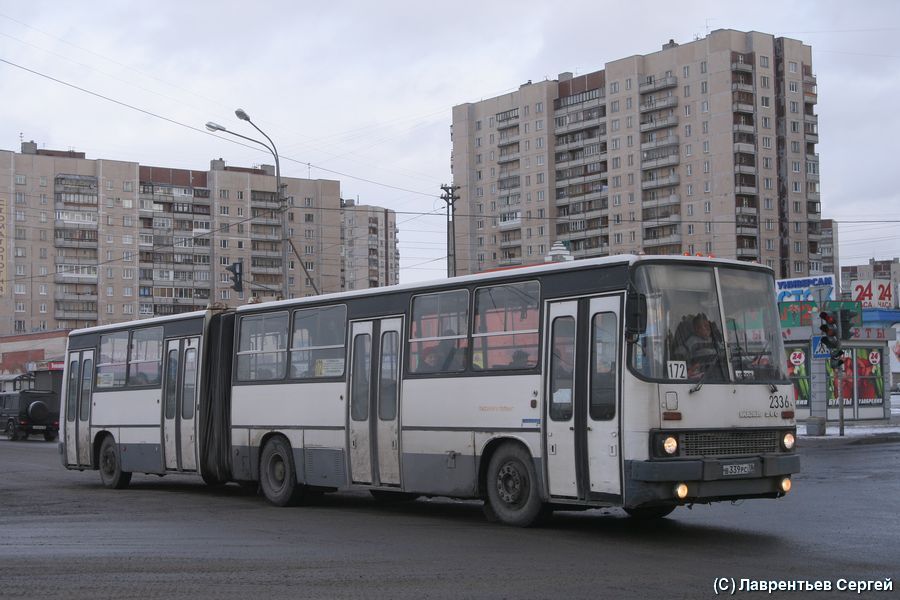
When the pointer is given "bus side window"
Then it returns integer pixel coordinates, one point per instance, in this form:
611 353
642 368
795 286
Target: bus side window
604 350
562 368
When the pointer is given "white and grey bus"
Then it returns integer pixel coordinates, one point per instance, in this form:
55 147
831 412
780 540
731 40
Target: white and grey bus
560 387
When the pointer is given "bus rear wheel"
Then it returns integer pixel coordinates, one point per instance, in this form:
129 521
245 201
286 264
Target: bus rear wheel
12 432
111 473
277 476
650 513
512 493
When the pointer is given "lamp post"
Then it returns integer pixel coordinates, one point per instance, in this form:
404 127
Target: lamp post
242 115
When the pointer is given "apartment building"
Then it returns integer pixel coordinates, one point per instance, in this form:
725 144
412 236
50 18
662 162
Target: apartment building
86 242
369 243
704 147
829 247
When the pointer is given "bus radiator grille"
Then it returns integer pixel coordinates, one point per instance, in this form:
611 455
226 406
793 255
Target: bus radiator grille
729 443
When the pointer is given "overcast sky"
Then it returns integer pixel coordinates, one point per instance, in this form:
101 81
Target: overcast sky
362 92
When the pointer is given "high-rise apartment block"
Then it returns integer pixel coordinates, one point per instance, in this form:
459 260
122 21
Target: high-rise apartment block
705 147
86 242
369 246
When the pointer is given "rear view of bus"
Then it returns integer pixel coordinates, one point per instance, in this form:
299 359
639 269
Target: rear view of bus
711 409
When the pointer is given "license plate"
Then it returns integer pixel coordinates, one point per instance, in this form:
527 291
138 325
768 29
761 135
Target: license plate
37 427
739 469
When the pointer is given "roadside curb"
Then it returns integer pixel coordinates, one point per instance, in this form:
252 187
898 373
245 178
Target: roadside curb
834 440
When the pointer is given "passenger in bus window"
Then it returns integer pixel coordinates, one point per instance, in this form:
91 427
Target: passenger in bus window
430 362
520 360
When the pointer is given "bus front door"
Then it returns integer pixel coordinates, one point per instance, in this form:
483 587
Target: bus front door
78 407
583 383
179 401
374 433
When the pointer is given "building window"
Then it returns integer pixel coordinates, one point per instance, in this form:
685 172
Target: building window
764 61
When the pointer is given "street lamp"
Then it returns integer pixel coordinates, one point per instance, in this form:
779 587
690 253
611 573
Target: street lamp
282 202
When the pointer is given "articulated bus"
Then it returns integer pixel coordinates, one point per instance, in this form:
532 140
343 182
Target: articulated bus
645 383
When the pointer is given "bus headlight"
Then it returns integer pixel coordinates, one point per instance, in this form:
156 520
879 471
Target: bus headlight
681 491
670 445
786 485
788 440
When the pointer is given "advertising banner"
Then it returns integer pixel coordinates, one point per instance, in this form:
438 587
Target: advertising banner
798 369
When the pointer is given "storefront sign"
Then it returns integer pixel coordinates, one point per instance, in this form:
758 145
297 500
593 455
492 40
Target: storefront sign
809 289
873 293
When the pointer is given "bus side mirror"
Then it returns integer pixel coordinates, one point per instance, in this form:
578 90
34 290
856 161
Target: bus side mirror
635 314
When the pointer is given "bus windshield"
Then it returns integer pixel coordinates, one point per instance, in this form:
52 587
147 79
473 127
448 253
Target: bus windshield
686 338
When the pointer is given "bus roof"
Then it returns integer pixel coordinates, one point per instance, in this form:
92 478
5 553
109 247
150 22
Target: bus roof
138 322
501 274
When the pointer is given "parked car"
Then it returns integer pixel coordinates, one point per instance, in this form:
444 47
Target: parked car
28 412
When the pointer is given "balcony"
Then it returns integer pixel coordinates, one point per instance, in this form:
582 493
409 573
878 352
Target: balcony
511 261
741 107
84 315
748 253
665 240
744 147
746 190
746 169
742 66
660 182
76 296
659 104
670 140
671 121
665 161
747 230
511 243
659 83
742 87
743 128
74 243
508 158
811 118
746 210
265 270
663 201
510 224
258 235
662 221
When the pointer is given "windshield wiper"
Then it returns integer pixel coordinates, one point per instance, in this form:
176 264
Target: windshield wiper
708 368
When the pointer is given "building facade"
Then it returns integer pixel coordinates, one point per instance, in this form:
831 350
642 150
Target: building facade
830 248
706 147
86 242
369 243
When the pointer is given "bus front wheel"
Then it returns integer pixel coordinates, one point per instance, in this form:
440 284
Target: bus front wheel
512 493
277 476
111 473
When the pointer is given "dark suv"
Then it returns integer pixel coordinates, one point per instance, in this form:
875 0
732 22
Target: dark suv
28 412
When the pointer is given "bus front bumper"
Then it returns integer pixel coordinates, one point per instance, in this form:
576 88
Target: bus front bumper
653 482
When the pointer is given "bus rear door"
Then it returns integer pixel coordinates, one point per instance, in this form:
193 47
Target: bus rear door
583 383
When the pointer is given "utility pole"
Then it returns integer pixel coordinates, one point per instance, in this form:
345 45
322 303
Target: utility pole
450 197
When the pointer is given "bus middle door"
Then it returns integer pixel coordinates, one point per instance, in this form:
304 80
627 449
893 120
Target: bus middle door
373 429
179 397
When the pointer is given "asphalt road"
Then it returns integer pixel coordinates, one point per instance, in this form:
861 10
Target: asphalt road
63 536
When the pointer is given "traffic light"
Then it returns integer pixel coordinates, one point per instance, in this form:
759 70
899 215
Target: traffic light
831 337
237 276
847 317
